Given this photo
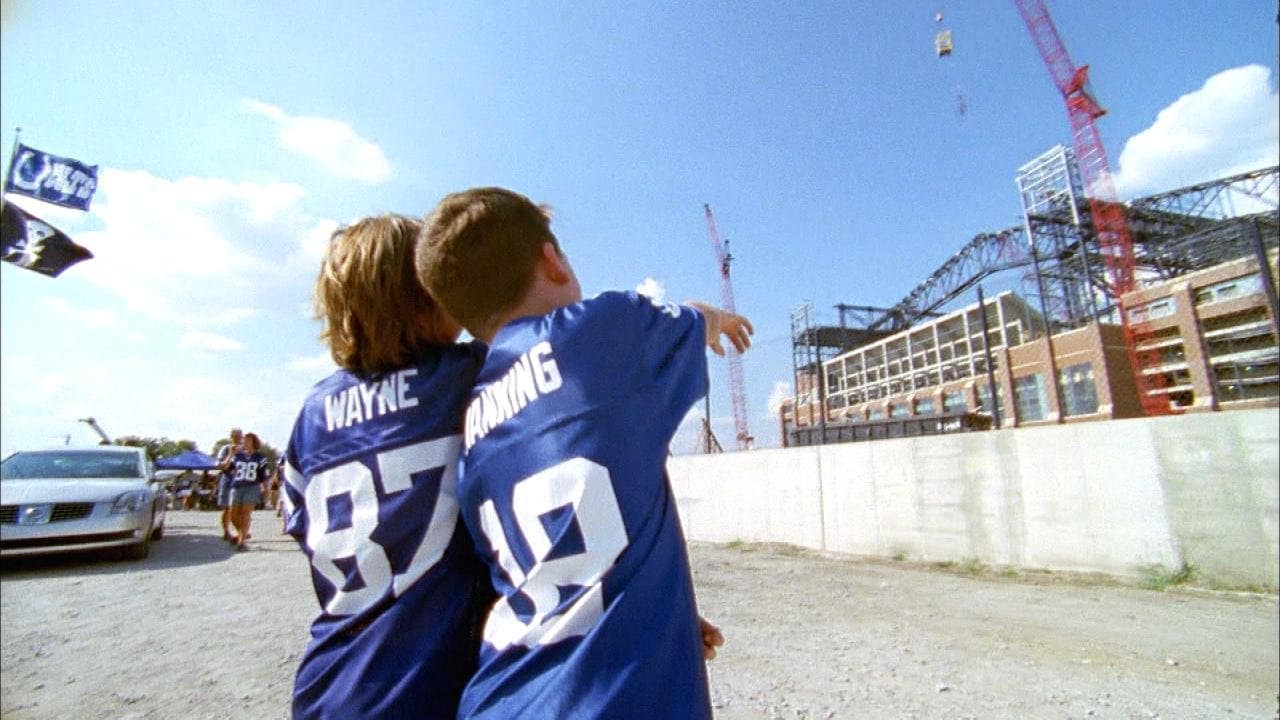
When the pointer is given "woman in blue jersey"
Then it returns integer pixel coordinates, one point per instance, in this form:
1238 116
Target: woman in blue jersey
247 469
369 490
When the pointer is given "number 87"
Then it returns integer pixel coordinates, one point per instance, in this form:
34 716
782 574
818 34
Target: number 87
396 468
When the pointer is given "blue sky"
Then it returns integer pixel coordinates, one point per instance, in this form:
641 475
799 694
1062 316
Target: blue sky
233 137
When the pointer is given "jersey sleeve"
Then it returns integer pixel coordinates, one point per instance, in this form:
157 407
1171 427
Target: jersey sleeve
671 342
293 489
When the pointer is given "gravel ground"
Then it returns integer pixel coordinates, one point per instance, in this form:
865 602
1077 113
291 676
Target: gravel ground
197 631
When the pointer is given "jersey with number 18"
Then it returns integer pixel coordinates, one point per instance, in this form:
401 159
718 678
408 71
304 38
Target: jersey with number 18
370 481
564 488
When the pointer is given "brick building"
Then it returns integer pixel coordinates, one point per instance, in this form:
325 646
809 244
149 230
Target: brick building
1215 331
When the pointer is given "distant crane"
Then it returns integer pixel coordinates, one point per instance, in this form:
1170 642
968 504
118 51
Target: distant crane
707 442
106 439
737 387
1114 242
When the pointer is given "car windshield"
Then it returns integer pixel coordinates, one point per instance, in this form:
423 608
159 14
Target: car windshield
37 465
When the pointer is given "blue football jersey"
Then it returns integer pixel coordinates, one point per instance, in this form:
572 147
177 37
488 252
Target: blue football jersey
564 488
248 469
370 480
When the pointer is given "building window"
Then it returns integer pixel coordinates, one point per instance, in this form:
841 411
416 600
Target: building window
984 399
1014 333
1248 376
1079 392
1028 393
876 414
1152 310
924 407
953 402
899 410
1228 289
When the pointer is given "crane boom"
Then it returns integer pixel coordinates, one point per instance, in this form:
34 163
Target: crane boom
106 439
1114 241
737 386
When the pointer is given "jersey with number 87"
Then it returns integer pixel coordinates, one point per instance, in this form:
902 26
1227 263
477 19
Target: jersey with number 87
370 483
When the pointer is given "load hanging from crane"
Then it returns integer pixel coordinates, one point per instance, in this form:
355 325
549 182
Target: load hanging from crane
942 41
943 46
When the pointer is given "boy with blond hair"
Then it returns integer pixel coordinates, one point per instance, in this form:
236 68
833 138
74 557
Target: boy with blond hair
563 482
369 490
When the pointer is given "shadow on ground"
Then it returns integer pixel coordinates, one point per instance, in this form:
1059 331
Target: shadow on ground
190 538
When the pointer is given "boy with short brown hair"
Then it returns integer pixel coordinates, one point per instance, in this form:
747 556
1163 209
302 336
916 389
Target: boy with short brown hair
563 482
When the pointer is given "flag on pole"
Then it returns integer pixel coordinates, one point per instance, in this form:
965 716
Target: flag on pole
58 180
29 242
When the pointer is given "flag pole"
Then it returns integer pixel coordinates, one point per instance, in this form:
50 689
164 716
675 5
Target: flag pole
9 167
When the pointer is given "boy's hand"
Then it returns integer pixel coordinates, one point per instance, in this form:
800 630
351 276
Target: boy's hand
739 331
720 322
712 638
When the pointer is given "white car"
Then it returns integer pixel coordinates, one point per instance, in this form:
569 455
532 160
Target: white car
73 499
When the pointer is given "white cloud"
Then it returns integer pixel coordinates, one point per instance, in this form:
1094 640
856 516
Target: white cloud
64 218
781 392
52 383
93 317
320 364
332 144
209 342
179 250
315 241
652 288
230 316
1228 126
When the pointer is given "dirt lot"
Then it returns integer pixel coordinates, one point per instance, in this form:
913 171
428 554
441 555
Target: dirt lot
197 631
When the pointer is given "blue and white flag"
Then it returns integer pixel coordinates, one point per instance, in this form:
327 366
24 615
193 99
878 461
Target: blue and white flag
29 242
58 180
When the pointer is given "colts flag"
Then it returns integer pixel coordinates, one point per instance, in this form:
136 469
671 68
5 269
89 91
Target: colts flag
29 242
58 180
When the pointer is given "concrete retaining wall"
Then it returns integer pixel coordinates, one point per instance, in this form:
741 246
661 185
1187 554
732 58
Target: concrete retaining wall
1115 497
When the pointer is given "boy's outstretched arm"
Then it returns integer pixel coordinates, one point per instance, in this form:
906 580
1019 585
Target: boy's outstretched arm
733 326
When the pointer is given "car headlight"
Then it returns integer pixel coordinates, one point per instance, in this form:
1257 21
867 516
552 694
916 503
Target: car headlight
129 501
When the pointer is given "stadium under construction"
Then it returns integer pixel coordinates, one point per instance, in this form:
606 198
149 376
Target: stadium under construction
1050 338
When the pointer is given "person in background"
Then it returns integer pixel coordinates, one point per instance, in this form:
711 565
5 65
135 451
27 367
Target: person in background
228 451
183 487
198 484
272 495
249 471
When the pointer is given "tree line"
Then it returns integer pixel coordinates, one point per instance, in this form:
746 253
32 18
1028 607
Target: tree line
163 447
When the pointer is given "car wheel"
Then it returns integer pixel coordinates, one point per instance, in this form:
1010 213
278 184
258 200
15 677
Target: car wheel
139 550
158 533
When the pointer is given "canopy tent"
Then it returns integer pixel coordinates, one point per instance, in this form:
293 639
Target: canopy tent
189 460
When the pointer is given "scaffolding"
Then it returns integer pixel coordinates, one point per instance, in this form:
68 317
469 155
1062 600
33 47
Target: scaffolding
1056 253
1174 232
1051 192
814 342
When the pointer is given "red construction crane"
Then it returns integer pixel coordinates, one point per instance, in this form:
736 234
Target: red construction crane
737 388
1114 241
